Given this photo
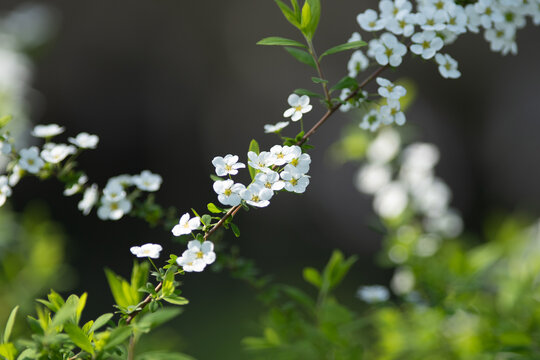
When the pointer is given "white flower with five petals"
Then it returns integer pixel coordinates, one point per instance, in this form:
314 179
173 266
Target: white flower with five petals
186 225
299 106
147 250
228 192
227 165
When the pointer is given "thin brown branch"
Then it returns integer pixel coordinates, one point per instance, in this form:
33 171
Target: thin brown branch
142 305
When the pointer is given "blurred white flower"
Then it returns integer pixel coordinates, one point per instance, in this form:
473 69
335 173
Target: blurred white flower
385 146
147 181
370 178
89 199
55 153
85 140
5 190
30 160
47 131
373 294
147 250
391 200
403 281
275 128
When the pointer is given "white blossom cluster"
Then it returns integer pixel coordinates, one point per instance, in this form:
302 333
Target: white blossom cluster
424 30
283 167
113 201
408 183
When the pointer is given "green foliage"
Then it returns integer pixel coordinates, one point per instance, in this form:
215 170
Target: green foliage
343 47
253 146
306 19
302 56
276 40
4 120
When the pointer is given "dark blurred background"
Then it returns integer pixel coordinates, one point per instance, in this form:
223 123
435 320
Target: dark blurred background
169 84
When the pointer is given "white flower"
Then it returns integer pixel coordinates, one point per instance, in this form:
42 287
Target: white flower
275 128
257 195
189 262
393 9
30 160
391 200
432 197
56 153
449 224
5 190
261 162
228 192
385 146
502 39
295 181
282 154
390 113
270 181
403 281
113 210
402 24
122 180
368 20
299 106
488 12
75 188
447 66
372 177
358 63
457 20
114 192
390 50
46 131
426 44
197 256
85 140
371 121
422 156
147 250
15 176
373 294
89 199
227 165
186 225
431 19
300 161
147 181
388 90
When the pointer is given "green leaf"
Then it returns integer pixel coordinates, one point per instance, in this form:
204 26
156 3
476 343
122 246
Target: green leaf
343 47
253 146
118 336
346 82
151 320
288 13
115 284
139 277
317 80
315 15
235 229
280 41
8 351
299 136
302 56
67 312
296 8
79 338
306 17
176 300
4 120
216 178
214 209
313 277
10 323
100 321
168 282
308 93
206 220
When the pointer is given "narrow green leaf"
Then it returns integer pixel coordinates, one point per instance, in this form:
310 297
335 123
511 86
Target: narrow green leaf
313 277
216 178
280 41
306 17
100 321
10 323
253 146
317 80
288 13
214 209
117 336
8 351
115 284
308 93
315 9
79 338
296 8
139 278
4 120
168 282
176 300
341 270
235 229
67 312
302 56
346 82
343 47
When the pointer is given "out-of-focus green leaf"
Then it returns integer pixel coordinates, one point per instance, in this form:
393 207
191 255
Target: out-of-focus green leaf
161 355
8 351
288 13
100 321
313 277
308 93
176 300
253 146
151 320
118 336
9 324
